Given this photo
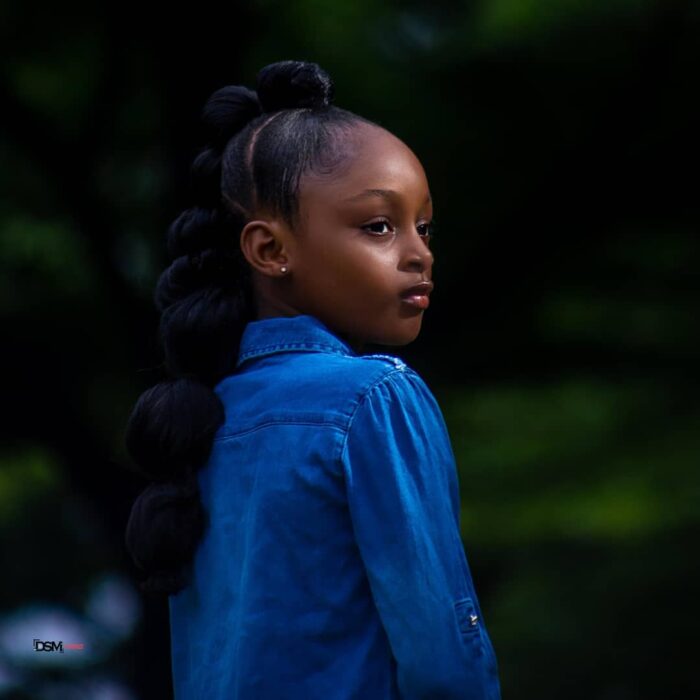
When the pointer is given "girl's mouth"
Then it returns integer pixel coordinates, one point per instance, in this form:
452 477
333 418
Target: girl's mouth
418 294
420 301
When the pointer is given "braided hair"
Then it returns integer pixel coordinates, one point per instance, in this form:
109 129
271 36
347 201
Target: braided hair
259 145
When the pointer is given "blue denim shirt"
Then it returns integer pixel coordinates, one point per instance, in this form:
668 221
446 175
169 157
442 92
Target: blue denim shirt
332 566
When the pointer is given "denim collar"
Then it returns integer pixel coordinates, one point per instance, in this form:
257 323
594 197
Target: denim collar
303 333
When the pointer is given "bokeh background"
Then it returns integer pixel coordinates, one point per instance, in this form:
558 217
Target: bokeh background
562 340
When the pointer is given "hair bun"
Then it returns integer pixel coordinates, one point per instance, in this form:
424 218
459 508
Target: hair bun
294 84
228 110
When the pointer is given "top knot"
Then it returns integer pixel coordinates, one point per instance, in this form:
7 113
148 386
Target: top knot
228 110
292 85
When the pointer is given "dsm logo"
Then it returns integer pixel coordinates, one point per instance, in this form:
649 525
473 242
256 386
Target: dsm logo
48 646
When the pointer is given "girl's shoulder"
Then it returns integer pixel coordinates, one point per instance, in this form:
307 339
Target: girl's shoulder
314 383
387 374
320 389
371 368
354 375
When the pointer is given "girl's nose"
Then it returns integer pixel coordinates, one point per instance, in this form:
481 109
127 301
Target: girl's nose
418 253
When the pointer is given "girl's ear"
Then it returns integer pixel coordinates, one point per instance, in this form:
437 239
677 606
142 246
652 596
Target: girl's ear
265 245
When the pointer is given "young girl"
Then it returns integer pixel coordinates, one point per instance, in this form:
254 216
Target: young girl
304 515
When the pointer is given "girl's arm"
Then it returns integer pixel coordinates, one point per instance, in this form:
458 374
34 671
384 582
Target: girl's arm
403 498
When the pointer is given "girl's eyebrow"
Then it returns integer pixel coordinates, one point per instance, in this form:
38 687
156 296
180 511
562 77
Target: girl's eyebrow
377 192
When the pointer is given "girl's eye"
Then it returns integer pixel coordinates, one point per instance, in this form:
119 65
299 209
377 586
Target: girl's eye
428 230
383 222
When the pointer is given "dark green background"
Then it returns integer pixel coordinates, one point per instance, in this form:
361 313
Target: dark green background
562 339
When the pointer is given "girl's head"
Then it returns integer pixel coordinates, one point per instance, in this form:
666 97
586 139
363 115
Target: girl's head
358 241
300 207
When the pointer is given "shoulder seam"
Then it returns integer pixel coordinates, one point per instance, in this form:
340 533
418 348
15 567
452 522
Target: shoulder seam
396 361
388 374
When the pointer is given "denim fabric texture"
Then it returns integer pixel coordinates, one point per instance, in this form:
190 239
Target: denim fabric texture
332 566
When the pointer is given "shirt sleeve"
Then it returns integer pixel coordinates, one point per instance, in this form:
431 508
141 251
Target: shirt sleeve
403 497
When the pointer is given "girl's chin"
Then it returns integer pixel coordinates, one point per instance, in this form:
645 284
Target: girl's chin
407 333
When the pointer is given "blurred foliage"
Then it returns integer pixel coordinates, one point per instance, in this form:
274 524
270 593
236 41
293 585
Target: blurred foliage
561 342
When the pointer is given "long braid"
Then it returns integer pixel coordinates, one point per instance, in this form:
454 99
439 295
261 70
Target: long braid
205 302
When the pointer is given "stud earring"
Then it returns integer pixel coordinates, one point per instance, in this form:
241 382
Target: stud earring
283 268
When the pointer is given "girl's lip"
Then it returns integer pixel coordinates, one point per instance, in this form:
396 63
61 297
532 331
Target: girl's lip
420 301
423 287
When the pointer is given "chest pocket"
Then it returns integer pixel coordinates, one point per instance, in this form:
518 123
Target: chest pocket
467 617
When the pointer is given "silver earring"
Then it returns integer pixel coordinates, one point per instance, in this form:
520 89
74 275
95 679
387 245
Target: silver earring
283 268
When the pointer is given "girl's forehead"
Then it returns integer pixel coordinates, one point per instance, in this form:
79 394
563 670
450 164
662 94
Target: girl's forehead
378 162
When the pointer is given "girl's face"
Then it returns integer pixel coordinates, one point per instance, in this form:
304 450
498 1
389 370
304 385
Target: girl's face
364 241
